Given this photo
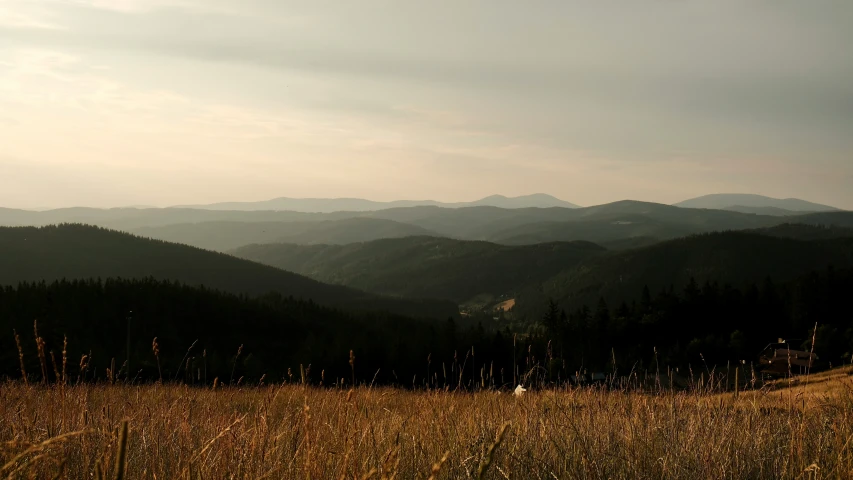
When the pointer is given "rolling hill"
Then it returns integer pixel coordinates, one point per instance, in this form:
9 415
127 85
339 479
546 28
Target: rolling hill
618 222
841 219
775 211
223 236
729 257
798 231
494 224
599 231
132 218
726 200
33 254
626 220
426 267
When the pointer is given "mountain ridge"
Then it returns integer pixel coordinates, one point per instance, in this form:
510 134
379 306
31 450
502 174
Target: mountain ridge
227 235
425 267
750 200
344 204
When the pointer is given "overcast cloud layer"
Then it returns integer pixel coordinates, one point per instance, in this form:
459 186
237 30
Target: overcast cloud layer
161 102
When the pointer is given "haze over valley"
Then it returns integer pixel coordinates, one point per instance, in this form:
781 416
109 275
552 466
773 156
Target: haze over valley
444 240
474 255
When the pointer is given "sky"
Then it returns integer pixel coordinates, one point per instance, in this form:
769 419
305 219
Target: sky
162 102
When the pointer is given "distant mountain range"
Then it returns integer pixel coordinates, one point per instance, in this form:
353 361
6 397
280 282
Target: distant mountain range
745 203
618 225
749 203
600 224
329 205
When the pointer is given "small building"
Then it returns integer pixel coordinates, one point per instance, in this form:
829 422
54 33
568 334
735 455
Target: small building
780 359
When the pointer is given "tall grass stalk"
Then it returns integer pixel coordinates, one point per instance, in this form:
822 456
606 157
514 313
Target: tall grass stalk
299 431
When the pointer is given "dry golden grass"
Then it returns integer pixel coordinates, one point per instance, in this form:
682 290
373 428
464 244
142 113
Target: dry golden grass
823 388
830 382
289 431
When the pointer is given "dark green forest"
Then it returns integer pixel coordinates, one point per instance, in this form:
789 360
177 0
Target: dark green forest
700 327
31 254
275 335
710 324
735 258
570 273
426 267
695 303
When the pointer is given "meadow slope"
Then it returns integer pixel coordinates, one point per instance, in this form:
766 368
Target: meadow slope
290 431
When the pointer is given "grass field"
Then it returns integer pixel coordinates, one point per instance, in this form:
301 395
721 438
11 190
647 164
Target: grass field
288 431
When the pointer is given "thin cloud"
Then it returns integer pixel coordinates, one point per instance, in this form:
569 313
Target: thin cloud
362 97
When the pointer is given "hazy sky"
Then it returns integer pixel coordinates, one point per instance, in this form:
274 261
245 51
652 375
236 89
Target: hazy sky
162 102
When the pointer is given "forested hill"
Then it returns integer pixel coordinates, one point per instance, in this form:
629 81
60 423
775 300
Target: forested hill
628 219
426 266
224 236
709 325
800 231
621 219
735 258
273 334
78 252
704 325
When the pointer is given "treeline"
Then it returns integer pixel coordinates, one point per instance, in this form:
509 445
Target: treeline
278 337
709 324
204 334
739 259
